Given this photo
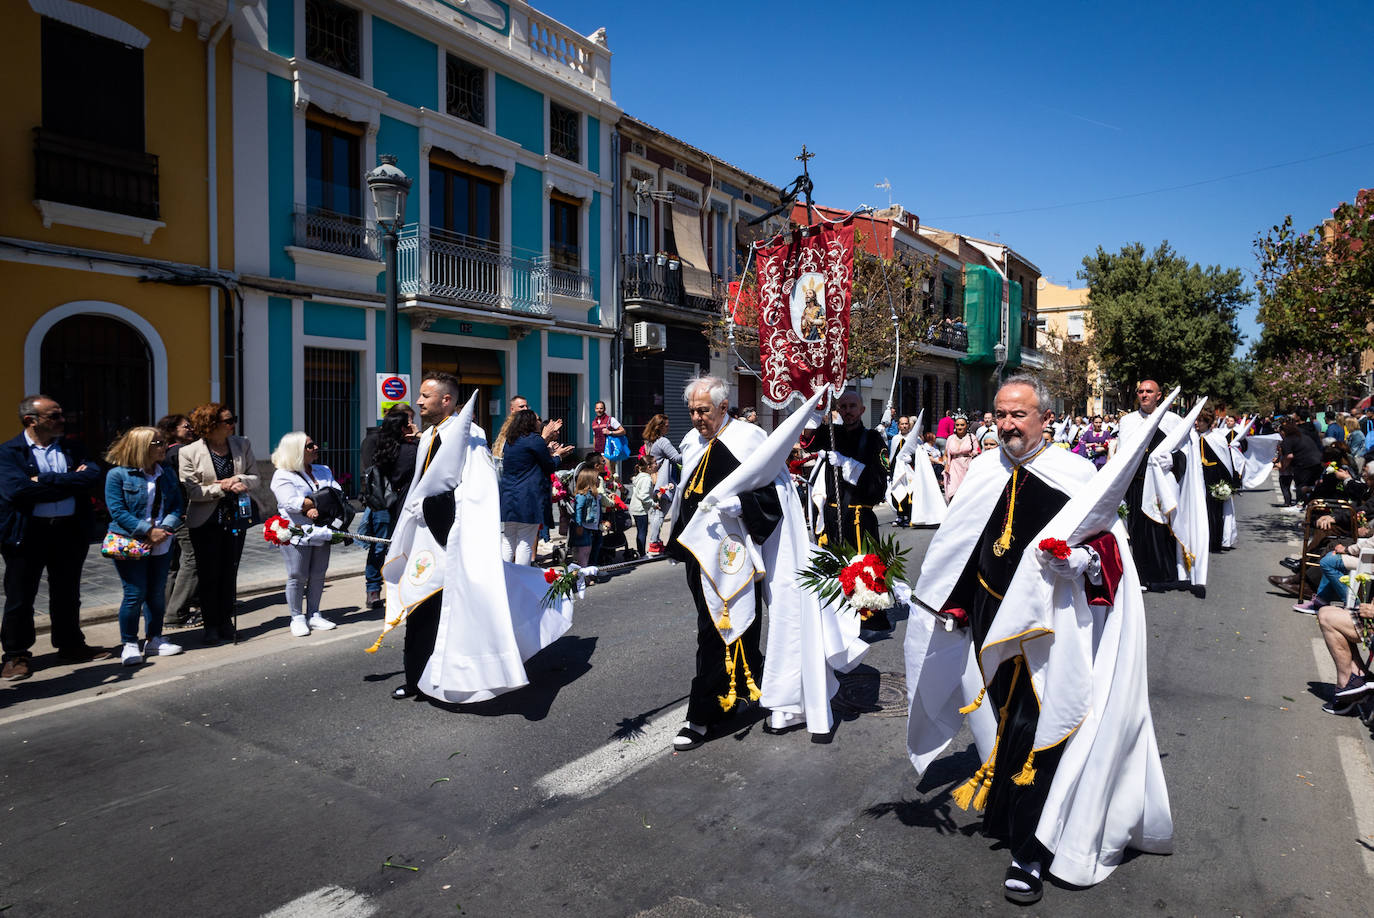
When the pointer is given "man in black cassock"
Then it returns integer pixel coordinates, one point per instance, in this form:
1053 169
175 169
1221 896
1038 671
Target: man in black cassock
1153 545
710 452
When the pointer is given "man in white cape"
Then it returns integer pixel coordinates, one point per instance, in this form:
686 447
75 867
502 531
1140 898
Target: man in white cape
740 531
913 480
1152 544
1175 497
1222 462
1048 659
473 618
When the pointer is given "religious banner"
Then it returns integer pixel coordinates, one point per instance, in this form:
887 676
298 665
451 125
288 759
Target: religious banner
804 289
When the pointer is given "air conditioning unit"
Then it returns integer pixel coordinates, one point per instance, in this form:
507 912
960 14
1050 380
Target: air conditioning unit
650 336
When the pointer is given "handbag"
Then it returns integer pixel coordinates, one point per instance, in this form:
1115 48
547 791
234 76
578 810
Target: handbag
124 548
333 509
617 448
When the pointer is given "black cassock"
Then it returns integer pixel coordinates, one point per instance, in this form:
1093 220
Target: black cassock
1214 472
1152 544
851 518
1012 810
761 511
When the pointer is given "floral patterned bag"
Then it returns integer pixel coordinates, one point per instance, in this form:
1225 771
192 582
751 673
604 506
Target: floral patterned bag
124 548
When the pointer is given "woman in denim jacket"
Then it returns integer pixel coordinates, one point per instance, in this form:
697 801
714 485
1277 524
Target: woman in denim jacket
145 503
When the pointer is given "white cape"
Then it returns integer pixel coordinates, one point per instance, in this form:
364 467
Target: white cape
1259 459
913 476
1181 504
807 644
1087 665
1229 457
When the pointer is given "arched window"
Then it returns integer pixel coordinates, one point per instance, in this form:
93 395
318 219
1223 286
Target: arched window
101 371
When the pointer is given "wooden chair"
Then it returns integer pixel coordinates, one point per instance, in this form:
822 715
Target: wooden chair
1314 540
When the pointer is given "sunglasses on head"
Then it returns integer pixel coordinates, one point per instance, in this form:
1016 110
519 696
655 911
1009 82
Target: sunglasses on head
157 442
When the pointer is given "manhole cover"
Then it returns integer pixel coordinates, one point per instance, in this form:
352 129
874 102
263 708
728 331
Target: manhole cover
879 694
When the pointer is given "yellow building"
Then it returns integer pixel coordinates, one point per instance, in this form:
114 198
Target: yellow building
1063 316
114 214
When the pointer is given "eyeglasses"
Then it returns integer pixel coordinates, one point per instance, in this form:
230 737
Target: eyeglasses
232 419
156 442
311 446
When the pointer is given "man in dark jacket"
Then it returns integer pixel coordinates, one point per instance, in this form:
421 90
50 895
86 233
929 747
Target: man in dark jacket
45 508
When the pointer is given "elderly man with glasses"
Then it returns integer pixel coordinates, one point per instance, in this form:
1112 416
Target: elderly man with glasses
45 509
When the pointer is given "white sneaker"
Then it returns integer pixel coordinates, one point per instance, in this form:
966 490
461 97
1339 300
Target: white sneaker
131 656
298 626
161 647
319 623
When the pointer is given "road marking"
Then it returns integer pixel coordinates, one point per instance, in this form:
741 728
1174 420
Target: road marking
1359 776
613 762
1359 779
333 901
75 702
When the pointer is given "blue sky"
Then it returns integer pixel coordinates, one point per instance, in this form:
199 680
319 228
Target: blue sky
987 117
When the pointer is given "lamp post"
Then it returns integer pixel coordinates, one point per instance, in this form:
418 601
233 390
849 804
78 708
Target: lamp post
389 186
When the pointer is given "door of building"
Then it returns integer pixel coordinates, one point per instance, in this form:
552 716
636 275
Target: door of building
475 369
333 411
100 371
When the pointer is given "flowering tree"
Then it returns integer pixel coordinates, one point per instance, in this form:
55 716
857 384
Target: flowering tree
1303 378
1316 289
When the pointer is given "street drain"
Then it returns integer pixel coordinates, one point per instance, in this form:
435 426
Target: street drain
879 694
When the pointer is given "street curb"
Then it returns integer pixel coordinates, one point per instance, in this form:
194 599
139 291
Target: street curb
99 615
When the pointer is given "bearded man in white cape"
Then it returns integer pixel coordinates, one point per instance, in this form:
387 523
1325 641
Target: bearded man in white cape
740 531
1049 655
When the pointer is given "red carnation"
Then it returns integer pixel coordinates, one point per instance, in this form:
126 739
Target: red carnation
1057 547
550 575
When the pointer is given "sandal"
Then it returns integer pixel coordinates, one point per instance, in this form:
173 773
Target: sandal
687 738
1023 896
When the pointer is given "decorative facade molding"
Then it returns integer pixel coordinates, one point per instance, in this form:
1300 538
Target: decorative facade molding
103 220
91 20
343 96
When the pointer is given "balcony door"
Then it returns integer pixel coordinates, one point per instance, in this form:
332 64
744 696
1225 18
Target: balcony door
464 230
334 220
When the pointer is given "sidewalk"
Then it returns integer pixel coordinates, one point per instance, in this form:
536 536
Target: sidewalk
260 571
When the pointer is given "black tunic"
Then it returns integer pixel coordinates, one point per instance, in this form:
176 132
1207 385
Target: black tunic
1012 811
1214 472
761 511
851 519
1152 544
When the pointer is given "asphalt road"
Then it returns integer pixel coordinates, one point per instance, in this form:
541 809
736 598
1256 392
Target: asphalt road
278 777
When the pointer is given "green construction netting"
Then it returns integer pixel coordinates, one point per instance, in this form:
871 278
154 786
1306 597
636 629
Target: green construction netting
1014 327
982 313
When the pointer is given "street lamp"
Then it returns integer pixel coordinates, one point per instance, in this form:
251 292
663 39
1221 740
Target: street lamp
389 186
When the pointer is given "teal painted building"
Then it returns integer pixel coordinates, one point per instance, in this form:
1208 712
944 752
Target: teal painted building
499 116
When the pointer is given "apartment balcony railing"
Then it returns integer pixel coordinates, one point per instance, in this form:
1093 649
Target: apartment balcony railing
342 234
646 281
69 170
434 263
563 277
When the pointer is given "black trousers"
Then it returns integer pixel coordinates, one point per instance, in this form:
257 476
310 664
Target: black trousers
217 552
58 546
422 628
712 681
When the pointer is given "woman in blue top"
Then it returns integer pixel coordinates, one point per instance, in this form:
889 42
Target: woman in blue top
145 503
526 492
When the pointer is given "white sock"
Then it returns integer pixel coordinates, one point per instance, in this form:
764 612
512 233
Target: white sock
695 728
1033 868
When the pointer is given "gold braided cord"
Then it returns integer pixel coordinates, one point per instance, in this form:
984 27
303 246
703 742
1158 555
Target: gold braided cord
1003 542
698 483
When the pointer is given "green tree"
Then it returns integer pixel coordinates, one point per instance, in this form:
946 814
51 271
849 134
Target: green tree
1157 315
1069 372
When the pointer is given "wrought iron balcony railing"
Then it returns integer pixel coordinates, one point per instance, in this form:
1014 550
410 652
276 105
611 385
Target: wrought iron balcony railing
342 234
644 280
69 170
435 263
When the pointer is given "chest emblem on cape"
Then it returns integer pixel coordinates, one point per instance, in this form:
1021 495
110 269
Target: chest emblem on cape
421 567
730 555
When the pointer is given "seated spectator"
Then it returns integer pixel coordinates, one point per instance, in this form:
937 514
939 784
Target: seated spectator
1344 631
1339 562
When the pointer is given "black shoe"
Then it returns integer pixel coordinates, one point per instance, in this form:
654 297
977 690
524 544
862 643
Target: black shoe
878 621
1288 585
779 731
1341 708
1023 897
687 738
1293 564
402 692
1354 687
211 638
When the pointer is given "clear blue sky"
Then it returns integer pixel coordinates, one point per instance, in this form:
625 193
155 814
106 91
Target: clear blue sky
973 111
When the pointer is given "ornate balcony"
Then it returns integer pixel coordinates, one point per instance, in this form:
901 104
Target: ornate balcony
646 283
69 170
468 271
342 234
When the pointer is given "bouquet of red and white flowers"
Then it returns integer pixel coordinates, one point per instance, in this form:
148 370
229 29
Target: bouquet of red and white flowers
862 582
278 530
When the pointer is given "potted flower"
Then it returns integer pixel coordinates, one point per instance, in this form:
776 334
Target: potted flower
673 263
662 259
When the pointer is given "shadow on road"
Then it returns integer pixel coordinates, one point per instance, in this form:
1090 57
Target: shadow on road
630 728
560 664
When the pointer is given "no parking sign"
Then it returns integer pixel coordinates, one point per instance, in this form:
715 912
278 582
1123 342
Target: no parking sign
392 389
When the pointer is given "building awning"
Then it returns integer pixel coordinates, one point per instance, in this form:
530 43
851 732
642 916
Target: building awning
696 273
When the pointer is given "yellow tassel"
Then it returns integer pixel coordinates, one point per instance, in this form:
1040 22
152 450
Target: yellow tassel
970 708
375 647
981 800
963 794
754 693
727 701
1027 775
724 624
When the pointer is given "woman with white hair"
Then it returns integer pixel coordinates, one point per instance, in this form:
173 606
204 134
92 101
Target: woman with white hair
297 477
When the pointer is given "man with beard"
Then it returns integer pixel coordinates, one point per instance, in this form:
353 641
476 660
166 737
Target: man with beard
1152 544
1055 678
